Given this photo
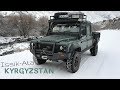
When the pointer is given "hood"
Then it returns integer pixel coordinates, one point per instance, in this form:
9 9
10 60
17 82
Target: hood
56 38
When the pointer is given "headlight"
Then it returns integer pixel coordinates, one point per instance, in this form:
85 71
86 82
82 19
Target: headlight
63 48
31 44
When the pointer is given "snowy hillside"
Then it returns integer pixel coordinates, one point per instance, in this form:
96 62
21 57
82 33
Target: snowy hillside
105 65
93 16
109 24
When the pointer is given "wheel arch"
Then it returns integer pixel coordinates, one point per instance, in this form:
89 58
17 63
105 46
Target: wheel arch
74 47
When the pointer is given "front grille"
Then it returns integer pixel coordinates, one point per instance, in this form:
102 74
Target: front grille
44 49
47 49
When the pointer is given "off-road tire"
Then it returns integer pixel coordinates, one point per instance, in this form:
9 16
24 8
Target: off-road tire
94 50
73 63
38 61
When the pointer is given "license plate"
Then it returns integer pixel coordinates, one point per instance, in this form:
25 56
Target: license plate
44 57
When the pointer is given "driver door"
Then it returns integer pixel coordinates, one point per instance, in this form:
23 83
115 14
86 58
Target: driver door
83 37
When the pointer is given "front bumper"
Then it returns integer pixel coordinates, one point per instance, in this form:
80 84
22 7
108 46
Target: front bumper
54 57
50 56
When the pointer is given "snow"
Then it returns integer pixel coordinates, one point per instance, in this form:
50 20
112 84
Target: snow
6 47
5 50
15 47
21 46
6 39
105 65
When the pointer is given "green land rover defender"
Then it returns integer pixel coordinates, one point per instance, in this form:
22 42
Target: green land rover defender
69 35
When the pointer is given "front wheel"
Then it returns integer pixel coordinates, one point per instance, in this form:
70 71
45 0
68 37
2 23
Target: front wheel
38 61
73 64
94 50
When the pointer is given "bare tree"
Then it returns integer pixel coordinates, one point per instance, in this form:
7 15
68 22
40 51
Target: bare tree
25 23
22 23
43 24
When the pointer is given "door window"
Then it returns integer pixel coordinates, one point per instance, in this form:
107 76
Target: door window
88 30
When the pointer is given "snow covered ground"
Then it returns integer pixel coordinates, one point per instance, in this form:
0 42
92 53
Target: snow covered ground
105 65
17 47
14 44
6 39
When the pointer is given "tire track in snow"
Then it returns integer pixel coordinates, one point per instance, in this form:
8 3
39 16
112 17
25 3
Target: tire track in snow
84 62
101 64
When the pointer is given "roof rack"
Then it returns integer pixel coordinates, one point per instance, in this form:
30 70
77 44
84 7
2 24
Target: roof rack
69 16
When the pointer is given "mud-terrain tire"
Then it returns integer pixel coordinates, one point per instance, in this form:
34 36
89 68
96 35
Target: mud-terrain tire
38 61
72 64
94 50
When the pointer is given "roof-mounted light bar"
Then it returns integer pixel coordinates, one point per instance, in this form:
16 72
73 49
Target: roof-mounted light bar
65 15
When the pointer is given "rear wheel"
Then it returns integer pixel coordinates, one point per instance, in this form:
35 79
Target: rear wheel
73 64
94 50
38 61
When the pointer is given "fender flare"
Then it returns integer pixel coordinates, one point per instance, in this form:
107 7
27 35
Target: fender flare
74 47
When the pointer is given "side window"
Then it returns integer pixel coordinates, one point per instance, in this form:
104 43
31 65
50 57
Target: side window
83 30
88 30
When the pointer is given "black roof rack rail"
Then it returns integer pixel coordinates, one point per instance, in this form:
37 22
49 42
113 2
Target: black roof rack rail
69 16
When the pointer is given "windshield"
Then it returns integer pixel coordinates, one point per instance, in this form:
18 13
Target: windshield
65 28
